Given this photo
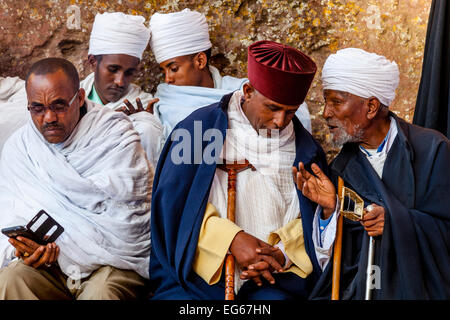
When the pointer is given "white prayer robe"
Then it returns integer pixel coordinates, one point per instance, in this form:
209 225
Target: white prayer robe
96 184
13 102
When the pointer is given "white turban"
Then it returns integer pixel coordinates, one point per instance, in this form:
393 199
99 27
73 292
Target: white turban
361 73
119 33
178 34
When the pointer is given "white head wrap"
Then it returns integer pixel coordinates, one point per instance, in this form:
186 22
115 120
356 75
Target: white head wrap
361 73
178 34
119 33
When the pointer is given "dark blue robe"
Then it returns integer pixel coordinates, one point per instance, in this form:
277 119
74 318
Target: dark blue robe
413 253
180 196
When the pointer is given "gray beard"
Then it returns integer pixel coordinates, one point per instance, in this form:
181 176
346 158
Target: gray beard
342 136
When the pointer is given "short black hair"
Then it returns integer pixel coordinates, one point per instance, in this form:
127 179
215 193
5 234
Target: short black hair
206 52
51 65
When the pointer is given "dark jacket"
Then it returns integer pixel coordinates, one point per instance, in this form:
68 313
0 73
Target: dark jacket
413 254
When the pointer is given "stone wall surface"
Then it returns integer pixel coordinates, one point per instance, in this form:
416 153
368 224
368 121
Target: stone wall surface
34 29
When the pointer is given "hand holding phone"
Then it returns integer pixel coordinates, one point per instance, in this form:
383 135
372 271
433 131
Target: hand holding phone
41 229
33 254
34 242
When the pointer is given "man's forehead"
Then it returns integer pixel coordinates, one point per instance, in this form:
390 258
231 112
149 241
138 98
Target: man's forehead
270 103
330 92
123 60
50 82
181 59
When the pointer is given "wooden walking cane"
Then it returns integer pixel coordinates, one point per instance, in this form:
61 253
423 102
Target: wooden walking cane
354 214
337 248
232 169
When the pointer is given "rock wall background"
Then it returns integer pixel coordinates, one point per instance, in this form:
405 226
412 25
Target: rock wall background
31 30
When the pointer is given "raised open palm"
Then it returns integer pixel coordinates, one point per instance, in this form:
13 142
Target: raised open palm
317 187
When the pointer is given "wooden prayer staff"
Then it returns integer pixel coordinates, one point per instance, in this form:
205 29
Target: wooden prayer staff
232 169
337 248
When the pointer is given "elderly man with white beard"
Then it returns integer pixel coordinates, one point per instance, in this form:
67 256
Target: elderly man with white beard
84 165
399 169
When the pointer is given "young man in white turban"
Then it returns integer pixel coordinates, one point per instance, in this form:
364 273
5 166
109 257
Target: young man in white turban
402 173
84 165
190 231
116 45
181 45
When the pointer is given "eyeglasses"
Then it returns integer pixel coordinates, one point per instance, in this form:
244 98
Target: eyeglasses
56 107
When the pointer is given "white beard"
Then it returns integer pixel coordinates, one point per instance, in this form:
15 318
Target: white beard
342 136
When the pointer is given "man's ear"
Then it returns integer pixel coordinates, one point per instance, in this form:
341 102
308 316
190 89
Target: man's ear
373 107
201 60
92 61
81 96
248 90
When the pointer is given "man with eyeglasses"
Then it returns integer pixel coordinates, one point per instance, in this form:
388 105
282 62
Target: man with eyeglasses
84 165
116 46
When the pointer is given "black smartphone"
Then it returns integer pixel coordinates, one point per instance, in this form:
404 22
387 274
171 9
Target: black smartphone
20 231
42 229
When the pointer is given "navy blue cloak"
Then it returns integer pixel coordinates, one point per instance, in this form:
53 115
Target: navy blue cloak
180 196
413 254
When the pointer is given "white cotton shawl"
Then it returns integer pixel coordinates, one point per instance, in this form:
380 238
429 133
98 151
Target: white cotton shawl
361 73
13 107
118 33
146 124
178 34
266 199
12 89
96 184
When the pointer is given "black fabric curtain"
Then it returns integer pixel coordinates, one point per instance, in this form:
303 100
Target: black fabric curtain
433 99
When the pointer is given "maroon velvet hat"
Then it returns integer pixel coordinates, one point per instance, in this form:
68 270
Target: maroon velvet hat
281 73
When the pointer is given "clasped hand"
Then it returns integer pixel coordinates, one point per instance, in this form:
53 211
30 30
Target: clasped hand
257 258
